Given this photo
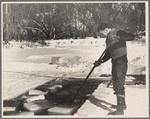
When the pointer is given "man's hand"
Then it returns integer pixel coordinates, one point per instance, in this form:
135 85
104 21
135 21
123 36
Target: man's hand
97 63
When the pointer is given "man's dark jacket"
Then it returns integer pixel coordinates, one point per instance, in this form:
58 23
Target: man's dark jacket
117 41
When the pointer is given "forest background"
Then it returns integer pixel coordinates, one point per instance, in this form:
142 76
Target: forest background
39 22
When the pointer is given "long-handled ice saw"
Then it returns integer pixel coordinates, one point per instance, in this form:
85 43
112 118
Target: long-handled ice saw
88 75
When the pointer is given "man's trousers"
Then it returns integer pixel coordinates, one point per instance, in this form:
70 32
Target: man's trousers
119 69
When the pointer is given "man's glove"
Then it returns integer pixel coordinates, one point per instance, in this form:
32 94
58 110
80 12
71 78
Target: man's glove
97 63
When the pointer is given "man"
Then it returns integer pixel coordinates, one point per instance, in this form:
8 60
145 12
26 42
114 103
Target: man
116 43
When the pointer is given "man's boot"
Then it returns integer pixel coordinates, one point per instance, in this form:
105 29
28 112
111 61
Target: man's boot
120 106
124 105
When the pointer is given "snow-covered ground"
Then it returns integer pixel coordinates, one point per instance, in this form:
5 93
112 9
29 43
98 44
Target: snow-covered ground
69 57
102 99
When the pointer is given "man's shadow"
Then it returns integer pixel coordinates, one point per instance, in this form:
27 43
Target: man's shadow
99 103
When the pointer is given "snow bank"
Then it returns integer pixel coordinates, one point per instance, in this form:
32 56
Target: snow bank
53 43
88 41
